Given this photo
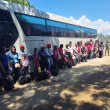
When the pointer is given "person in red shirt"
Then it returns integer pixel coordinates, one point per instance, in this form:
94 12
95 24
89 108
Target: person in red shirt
56 54
89 47
60 50
79 47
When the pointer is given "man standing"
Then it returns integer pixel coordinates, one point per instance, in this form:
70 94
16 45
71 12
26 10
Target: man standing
107 47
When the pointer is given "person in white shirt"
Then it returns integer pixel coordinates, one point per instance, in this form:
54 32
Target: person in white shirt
22 56
76 54
71 49
49 53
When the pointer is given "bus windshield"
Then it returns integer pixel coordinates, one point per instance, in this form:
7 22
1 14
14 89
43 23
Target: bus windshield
8 31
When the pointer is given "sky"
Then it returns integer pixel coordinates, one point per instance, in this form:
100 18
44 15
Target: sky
93 13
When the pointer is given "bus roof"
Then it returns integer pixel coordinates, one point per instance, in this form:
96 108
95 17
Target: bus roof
34 12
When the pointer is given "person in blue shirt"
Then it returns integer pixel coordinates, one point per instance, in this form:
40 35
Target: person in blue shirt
3 63
12 60
43 61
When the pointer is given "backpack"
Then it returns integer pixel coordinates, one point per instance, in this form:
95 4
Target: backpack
54 71
74 62
8 82
69 64
43 75
25 78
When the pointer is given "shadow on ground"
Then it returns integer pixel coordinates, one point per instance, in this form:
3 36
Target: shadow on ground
81 88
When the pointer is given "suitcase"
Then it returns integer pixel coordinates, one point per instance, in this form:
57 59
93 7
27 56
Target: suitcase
25 78
8 82
43 75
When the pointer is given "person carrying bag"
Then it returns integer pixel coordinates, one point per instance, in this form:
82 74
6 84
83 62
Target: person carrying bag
14 63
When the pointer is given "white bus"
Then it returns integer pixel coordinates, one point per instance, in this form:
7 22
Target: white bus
21 25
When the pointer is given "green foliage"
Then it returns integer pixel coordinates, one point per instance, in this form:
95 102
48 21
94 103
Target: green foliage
22 2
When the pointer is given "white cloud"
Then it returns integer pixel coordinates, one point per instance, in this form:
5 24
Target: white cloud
100 25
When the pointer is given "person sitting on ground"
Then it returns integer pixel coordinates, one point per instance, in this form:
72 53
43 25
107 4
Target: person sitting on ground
49 53
22 56
56 56
43 61
3 63
36 58
13 61
31 67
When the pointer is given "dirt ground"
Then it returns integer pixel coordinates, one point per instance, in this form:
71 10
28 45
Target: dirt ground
83 87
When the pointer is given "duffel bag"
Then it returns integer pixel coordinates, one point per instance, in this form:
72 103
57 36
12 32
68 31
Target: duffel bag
25 78
8 82
43 75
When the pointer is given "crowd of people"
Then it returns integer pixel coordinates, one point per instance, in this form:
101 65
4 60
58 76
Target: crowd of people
14 62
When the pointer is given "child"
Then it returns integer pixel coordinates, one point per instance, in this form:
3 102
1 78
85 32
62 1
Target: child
22 56
31 66
36 58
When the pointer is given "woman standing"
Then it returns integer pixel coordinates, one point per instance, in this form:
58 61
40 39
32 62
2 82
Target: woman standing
13 61
56 56
3 63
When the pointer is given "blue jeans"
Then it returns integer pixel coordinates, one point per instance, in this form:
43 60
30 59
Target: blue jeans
97 53
50 62
85 58
91 55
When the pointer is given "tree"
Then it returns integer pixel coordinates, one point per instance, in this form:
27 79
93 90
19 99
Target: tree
22 2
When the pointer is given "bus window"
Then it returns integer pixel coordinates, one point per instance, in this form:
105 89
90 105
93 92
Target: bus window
85 32
51 31
93 33
32 26
8 31
73 30
71 33
59 29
